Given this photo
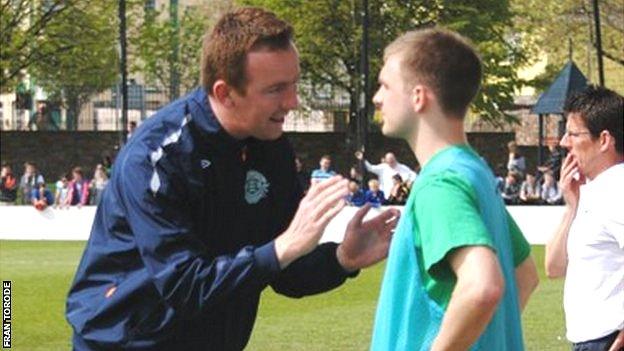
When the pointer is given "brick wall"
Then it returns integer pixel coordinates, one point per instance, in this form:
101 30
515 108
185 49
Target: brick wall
57 152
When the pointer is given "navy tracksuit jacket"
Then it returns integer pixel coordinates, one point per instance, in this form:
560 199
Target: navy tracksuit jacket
182 243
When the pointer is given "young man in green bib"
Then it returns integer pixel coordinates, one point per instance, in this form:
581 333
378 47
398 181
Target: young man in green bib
459 271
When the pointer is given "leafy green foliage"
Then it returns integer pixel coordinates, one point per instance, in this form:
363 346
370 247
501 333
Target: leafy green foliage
88 64
162 51
554 29
328 35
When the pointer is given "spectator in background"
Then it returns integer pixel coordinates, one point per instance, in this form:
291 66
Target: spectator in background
356 196
41 197
511 189
97 184
78 194
8 186
40 119
62 191
303 177
355 175
375 195
132 126
387 169
324 172
551 193
400 191
554 161
516 162
530 191
29 181
107 162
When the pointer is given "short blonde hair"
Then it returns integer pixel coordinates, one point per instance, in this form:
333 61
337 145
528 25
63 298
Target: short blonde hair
373 183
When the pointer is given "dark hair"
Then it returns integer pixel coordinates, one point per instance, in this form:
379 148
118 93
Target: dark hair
78 170
600 109
236 34
444 61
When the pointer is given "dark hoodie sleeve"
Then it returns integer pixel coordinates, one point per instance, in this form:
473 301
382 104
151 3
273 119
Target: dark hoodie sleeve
185 276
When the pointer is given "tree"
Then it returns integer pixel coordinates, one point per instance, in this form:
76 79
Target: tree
328 35
156 39
23 25
556 29
89 64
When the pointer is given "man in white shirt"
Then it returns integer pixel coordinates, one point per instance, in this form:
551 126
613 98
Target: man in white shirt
387 169
588 247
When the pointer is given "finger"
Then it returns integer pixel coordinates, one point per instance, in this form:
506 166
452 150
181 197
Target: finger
318 188
570 168
568 163
328 199
384 217
618 344
331 213
361 213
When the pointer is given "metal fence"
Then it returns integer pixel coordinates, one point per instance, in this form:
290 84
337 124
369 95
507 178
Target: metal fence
103 112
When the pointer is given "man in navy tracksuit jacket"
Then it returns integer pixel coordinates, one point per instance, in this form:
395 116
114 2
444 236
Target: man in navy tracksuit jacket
188 231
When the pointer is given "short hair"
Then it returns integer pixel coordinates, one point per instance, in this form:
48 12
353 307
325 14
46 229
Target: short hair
237 33
442 60
326 157
600 109
78 170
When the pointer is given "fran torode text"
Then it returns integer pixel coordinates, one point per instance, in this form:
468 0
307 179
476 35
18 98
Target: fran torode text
6 314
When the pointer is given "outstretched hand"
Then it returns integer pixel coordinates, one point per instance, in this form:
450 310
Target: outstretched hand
366 242
322 203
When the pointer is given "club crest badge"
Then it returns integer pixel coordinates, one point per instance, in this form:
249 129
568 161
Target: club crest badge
256 187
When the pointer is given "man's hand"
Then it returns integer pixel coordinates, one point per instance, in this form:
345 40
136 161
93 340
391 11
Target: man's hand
359 155
366 243
571 181
618 344
322 203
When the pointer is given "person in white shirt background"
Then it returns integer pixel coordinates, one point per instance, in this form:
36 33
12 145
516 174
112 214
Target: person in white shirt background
588 247
387 169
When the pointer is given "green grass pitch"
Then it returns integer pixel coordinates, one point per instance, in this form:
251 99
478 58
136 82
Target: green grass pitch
41 273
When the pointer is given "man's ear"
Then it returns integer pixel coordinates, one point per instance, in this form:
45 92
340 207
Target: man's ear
222 92
419 98
606 140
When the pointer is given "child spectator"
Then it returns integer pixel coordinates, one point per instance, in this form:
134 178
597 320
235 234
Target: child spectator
511 189
97 185
8 186
62 190
29 181
41 197
374 195
530 191
78 189
356 196
399 192
551 193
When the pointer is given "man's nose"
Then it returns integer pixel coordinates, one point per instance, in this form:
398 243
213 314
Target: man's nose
377 100
291 99
565 142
